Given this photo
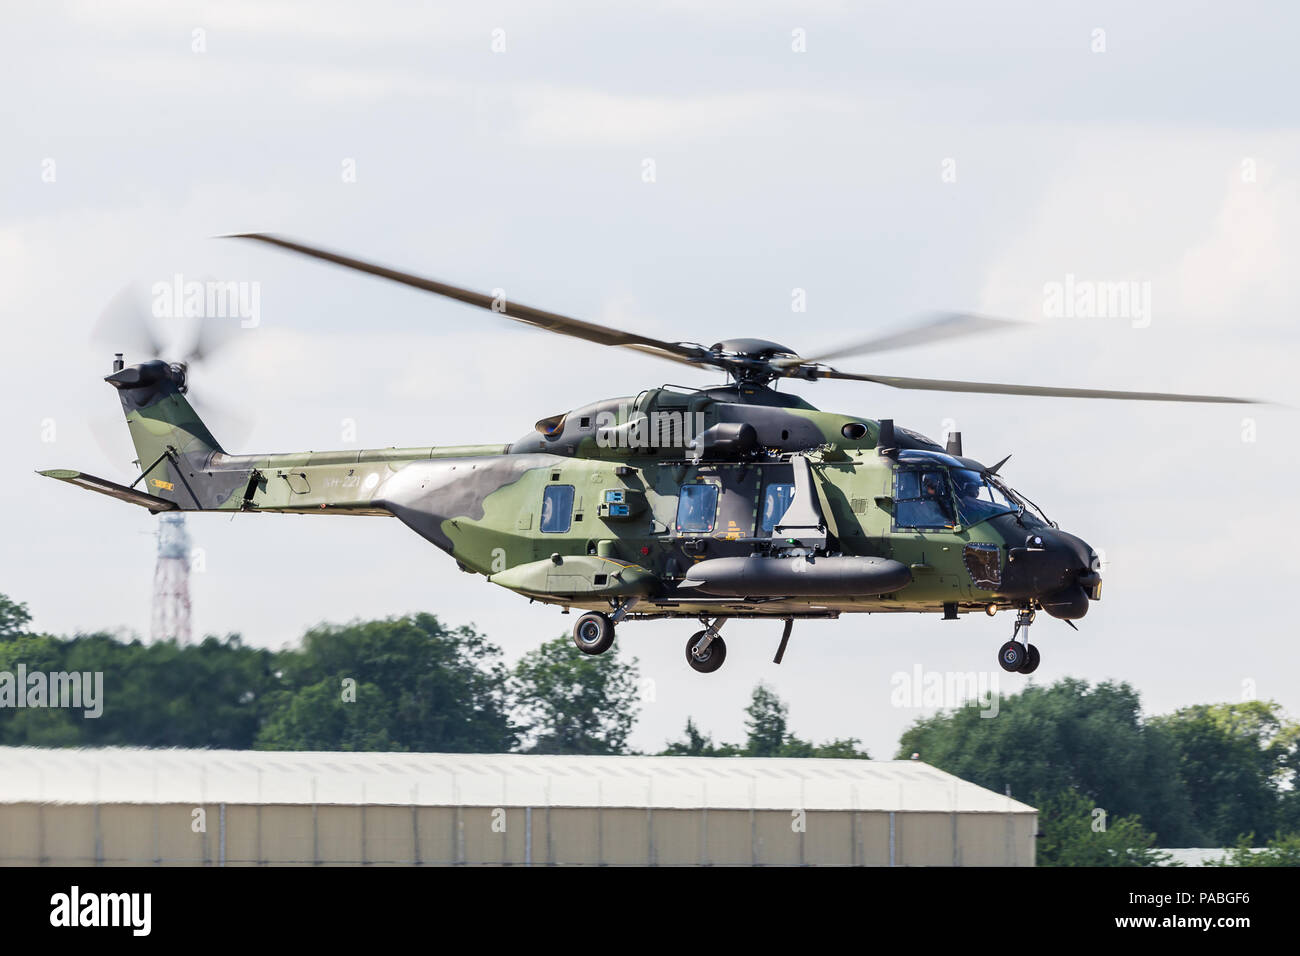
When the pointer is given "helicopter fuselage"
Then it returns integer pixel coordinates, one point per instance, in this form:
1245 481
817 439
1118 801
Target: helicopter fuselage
619 501
736 501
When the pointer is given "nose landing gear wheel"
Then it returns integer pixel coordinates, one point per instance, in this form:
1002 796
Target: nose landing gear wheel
712 657
1013 656
593 633
1020 657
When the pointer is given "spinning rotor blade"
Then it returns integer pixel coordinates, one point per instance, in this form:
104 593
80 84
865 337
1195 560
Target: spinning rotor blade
114 443
211 336
551 321
670 356
991 388
754 362
125 324
128 325
230 427
934 327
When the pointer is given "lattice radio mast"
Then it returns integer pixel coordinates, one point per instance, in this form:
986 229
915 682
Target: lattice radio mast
171 581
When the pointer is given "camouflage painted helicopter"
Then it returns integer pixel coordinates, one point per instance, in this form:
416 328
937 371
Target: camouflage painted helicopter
735 501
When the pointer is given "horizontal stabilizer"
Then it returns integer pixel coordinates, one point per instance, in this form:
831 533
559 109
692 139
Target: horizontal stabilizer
112 489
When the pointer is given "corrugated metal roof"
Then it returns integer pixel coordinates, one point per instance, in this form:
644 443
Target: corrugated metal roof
130 775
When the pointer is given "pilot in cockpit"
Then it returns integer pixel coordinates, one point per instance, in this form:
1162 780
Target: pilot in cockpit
933 490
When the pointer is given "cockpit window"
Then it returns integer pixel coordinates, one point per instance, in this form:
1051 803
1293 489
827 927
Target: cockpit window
922 499
979 498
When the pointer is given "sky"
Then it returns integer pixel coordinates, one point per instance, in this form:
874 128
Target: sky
681 170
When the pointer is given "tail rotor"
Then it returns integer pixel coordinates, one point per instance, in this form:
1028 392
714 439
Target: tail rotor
138 328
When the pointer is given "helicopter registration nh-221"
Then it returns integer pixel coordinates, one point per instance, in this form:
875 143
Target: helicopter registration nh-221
734 501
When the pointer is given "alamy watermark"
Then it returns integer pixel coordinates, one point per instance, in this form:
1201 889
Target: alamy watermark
672 429
75 908
923 689
208 299
79 690
1076 298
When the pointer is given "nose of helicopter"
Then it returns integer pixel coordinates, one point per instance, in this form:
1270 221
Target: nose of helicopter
1059 569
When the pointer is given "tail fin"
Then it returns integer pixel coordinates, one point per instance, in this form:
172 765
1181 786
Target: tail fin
175 448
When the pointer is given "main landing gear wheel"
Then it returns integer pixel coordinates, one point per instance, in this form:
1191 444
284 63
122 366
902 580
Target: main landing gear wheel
1031 661
593 633
712 657
1013 656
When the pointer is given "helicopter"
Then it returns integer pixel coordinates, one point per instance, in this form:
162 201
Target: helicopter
730 501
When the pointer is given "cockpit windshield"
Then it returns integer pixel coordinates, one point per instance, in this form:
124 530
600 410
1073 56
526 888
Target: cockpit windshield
978 497
935 496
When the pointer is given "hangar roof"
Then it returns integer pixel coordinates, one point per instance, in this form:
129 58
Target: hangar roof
131 775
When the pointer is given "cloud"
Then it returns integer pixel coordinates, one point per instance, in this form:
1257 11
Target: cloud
1171 210
590 117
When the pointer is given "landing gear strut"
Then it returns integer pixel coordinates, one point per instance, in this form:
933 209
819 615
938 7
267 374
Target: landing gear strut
1017 654
705 651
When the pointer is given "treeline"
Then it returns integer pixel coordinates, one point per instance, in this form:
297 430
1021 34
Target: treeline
1111 784
767 735
1108 778
403 684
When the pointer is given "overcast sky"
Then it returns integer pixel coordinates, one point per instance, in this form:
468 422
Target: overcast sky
911 157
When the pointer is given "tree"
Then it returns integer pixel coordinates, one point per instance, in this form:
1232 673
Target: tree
575 703
405 683
35 727
13 618
1234 760
1074 833
1069 736
1281 851
766 723
161 695
319 717
768 736
698 744
846 748
1288 810
695 744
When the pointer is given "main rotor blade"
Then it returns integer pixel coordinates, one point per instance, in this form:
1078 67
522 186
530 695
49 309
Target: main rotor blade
1050 391
933 327
551 321
671 356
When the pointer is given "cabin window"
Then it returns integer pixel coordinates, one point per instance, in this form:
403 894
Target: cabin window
922 499
557 508
776 501
697 508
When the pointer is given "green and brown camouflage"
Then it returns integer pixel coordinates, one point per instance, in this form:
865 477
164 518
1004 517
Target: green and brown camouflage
617 469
